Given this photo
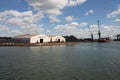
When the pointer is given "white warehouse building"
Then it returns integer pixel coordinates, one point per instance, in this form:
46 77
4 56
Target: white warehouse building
32 38
54 38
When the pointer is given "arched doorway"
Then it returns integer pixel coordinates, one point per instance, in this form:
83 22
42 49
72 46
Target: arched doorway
41 40
58 40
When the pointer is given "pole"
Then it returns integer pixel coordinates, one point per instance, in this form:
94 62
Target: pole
99 33
91 34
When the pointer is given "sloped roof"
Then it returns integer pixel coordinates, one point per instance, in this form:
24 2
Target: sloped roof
51 35
25 36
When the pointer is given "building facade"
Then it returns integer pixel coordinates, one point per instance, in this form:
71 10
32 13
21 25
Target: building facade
32 38
57 38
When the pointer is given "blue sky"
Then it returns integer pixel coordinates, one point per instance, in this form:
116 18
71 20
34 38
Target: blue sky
59 17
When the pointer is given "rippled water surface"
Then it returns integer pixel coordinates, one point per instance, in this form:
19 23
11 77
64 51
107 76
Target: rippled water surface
89 61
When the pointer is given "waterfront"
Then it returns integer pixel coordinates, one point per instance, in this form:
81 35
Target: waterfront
87 61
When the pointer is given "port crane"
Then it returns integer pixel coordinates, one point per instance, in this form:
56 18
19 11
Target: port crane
91 34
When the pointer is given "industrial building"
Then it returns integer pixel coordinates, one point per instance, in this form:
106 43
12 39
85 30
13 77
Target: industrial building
55 38
32 38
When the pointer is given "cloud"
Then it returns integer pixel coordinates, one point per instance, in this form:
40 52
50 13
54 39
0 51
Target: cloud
27 22
68 29
20 17
106 30
69 18
32 29
114 14
117 20
6 31
47 4
53 8
71 29
74 24
110 30
15 32
15 21
75 2
4 28
83 24
89 12
53 15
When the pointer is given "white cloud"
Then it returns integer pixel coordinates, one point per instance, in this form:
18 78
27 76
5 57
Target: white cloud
75 2
68 29
74 24
71 29
15 21
15 32
83 24
47 4
4 28
114 14
53 4
69 18
48 32
32 29
110 30
106 31
53 8
53 15
117 20
38 16
20 17
89 12
27 22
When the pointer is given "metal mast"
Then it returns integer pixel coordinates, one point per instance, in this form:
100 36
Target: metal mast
99 33
90 33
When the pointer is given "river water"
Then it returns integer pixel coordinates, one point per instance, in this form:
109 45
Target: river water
87 61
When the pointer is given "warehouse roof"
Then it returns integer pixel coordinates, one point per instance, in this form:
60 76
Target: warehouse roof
25 36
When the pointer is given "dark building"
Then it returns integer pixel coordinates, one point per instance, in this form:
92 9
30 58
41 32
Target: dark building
8 40
5 39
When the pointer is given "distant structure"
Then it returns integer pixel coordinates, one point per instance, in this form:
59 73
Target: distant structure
72 39
56 38
118 37
38 38
5 39
32 38
99 33
91 34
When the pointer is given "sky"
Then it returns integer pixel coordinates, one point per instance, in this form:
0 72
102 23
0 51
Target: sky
60 17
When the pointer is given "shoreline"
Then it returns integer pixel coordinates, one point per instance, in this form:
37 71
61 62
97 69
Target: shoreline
41 44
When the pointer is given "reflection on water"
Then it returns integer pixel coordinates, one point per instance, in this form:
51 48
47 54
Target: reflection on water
90 61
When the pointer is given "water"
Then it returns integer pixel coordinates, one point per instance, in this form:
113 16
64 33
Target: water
89 61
